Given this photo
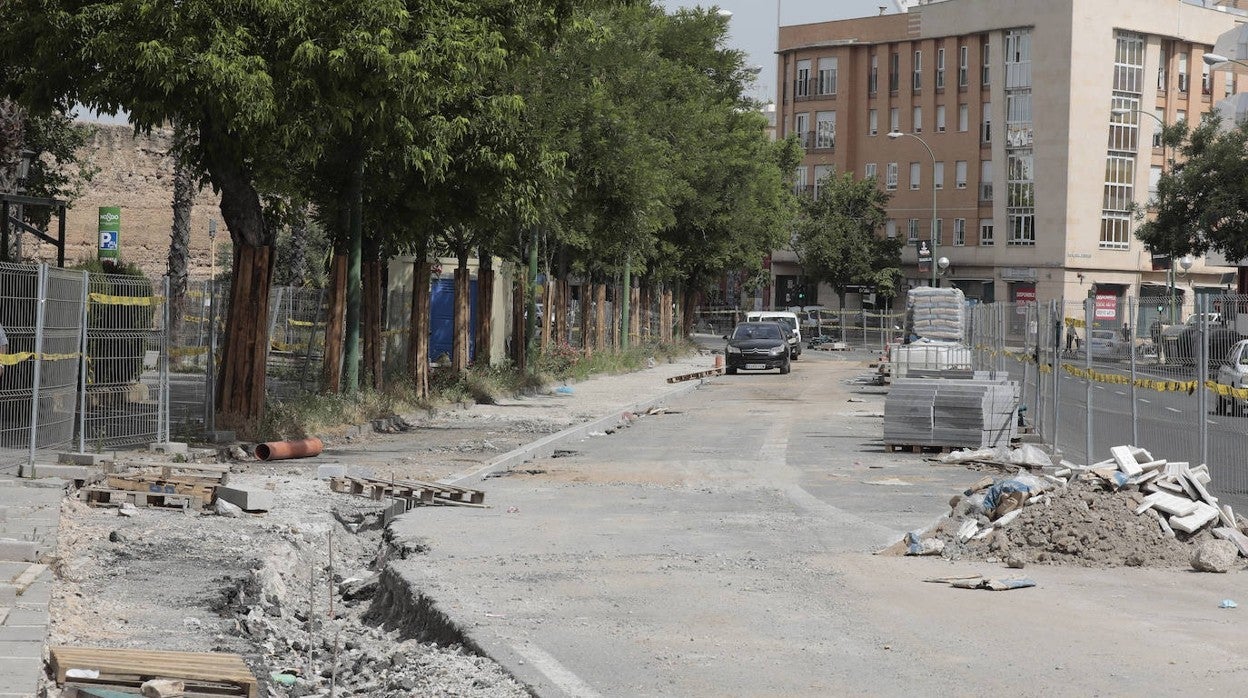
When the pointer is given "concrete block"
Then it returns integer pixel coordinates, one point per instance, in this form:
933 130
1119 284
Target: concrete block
27 616
25 551
76 473
8 595
169 448
220 436
325 472
83 458
21 649
23 633
246 498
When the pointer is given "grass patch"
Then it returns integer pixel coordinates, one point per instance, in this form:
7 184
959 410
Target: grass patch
315 414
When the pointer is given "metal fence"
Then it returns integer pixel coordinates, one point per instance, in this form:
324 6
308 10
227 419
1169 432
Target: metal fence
1094 377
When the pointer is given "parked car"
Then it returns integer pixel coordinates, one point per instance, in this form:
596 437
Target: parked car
1234 374
1105 344
757 346
786 318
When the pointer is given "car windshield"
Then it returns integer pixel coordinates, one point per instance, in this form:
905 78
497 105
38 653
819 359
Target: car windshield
787 321
756 332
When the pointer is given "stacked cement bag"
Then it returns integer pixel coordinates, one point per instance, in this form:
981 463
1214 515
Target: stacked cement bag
937 313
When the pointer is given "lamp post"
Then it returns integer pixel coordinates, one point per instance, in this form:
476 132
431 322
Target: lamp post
1213 59
1123 111
898 134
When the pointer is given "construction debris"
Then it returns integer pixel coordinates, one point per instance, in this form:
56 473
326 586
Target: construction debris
986 583
205 672
1131 509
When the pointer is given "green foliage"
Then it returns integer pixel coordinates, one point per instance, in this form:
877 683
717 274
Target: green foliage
1201 202
835 235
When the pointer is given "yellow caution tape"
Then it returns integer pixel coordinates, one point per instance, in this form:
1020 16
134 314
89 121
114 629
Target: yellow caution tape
179 352
1075 322
105 299
302 323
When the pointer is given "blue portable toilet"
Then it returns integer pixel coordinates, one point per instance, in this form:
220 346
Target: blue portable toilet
442 317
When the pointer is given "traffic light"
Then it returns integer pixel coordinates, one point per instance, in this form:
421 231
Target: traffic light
1161 308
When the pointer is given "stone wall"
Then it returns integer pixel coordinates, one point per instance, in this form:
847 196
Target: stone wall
137 175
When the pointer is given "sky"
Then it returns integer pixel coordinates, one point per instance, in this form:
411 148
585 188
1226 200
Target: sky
753 26
752 29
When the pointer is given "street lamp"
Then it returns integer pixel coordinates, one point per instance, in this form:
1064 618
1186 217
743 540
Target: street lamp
1123 111
898 134
1212 59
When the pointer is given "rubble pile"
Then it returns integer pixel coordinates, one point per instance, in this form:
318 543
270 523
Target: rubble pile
1129 510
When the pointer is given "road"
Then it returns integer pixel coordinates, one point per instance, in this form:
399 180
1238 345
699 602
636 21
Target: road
724 548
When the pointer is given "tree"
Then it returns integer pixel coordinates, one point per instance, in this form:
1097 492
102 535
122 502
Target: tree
1201 202
836 238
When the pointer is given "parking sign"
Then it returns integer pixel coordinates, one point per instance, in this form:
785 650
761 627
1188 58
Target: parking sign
110 232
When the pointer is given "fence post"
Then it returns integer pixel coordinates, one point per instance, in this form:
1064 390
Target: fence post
82 362
1089 309
40 312
1057 318
210 366
1202 377
1135 408
162 400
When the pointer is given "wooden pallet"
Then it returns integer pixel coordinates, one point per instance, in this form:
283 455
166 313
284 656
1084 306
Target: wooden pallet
414 491
98 496
207 472
697 374
204 672
144 483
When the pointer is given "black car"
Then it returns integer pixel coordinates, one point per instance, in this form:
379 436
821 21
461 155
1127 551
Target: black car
757 346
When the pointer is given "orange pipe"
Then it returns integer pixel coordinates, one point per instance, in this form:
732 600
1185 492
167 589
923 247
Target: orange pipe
281 450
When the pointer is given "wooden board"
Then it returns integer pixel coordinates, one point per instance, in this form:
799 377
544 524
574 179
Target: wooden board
107 497
425 492
140 483
205 672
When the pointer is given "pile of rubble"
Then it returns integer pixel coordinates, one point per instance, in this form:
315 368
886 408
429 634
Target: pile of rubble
1129 510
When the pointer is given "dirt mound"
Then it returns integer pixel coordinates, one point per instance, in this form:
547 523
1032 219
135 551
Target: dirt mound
1081 524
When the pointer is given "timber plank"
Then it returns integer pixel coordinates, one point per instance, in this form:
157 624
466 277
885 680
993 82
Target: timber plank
130 666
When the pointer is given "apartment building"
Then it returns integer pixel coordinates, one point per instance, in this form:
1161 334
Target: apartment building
1035 129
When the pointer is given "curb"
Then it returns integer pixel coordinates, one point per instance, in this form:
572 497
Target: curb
546 446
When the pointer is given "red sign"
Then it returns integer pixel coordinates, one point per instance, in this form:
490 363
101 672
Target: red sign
1024 296
1106 306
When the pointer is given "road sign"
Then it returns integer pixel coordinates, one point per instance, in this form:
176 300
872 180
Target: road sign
110 232
923 248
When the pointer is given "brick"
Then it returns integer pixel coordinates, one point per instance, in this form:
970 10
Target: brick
246 498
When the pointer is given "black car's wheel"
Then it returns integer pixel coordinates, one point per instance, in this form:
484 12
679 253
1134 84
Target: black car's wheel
731 370
795 355
786 367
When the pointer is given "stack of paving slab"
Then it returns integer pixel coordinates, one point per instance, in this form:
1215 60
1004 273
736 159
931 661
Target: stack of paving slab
937 313
1176 493
29 520
976 412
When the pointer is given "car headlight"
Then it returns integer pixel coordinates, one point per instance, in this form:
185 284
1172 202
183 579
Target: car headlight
776 351
734 350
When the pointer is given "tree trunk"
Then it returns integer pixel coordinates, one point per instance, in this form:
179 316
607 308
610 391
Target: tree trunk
331 368
517 319
418 340
485 310
634 319
179 242
600 317
688 308
548 304
617 319
643 312
463 307
372 308
355 206
240 391
665 313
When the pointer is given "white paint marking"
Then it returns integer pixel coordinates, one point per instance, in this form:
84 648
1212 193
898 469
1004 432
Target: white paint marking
1174 410
1146 402
558 674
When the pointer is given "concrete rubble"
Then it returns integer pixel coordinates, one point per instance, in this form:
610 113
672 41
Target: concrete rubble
1131 509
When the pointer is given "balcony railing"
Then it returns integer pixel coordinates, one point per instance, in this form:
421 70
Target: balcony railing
802 89
819 140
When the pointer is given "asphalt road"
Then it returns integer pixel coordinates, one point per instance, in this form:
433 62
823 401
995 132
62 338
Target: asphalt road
724 549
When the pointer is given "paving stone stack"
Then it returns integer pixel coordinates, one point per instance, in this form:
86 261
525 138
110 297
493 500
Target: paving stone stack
937 313
29 520
970 413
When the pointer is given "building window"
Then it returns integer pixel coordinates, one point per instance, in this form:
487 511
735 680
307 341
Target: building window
894 120
1229 76
963 63
1180 115
890 229
985 180
1206 79
985 233
914 175
822 172
894 71
985 71
801 126
959 232
1161 70
890 176
912 232
1154 180
873 122
917 81
959 174
1022 232
800 181
940 68
1118 201
985 124
938 175
938 231
1020 197
1161 116
825 130
869 171
827 76
917 117
1017 58
873 78
1182 72
940 118
964 117
801 86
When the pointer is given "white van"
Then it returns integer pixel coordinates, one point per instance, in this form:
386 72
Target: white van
785 318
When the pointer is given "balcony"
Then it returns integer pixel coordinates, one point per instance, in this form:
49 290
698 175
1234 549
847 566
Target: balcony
822 141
